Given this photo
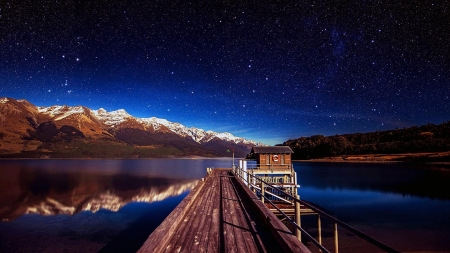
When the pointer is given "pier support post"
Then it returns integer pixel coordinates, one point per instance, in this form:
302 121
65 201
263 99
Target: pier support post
298 233
336 245
294 189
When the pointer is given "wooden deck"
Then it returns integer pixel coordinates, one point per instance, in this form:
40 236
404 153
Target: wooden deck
222 215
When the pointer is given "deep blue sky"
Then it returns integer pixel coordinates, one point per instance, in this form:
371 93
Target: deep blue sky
264 70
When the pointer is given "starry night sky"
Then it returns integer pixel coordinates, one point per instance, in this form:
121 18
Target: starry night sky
263 70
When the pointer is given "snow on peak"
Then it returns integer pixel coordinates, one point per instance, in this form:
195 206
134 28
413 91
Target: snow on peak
157 123
197 134
226 137
101 111
59 112
112 118
109 118
4 100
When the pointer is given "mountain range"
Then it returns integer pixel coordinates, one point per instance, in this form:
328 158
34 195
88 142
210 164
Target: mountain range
64 131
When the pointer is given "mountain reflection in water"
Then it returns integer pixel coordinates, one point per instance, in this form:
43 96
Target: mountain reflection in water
43 202
64 188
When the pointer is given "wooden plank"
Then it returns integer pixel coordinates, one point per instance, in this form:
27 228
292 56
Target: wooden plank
228 231
178 236
182 237
214 243
203 232
235 227
159 238
252 239
194 229
185 235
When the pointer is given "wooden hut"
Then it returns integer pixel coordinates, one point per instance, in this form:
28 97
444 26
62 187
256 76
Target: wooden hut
274 166
273 158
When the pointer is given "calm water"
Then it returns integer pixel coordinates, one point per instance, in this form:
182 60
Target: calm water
113 205
405 206
90 205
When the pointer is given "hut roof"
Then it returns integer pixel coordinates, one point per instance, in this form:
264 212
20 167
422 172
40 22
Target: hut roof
272 150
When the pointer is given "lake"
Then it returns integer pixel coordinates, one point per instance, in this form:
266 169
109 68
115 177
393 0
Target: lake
113 205
404 206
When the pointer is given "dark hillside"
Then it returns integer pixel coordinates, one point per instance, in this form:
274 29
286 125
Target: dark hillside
426 138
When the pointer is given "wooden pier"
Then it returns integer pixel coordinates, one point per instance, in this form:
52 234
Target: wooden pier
221 214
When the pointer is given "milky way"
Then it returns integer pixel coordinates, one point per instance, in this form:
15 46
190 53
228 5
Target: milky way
265 70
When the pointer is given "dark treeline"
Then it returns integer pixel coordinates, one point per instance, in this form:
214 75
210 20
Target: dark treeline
427 138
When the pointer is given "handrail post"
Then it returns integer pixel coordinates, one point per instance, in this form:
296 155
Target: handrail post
298 233
263 191
319 229
254 182
336 246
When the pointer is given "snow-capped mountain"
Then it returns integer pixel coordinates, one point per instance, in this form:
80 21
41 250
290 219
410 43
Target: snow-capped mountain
115 118
197 134
56 129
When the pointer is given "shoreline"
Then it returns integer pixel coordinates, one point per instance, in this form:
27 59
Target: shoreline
436 158
324 160
374 162
430 158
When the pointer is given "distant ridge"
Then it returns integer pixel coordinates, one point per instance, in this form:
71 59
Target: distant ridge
27 130
429 139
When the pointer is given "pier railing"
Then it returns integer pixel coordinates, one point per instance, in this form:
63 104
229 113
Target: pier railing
270 167
278 193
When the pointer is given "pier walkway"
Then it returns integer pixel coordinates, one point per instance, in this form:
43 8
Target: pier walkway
222 215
